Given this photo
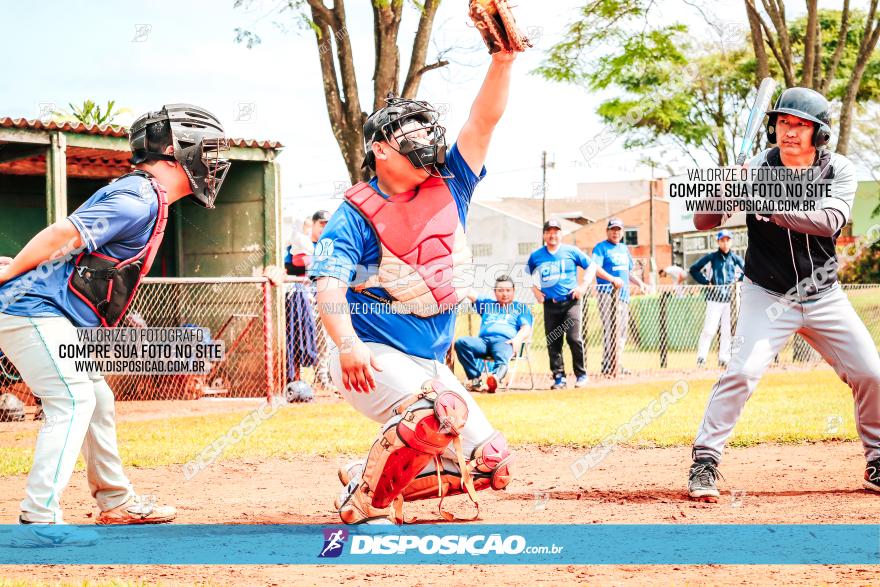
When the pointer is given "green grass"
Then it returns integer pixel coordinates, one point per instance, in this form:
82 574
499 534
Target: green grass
793 407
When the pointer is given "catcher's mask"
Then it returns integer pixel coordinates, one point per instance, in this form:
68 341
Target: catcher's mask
414 125
200 146
803 103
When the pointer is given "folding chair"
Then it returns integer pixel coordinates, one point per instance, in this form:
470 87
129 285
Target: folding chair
522 354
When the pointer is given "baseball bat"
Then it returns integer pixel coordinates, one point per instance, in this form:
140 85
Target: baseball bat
756 117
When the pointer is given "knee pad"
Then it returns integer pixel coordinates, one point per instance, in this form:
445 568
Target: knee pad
490 466
424 425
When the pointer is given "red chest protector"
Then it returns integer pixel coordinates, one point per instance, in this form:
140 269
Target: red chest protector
108 285
422 243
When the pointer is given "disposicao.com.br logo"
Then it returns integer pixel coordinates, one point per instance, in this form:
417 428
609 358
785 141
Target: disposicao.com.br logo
477 545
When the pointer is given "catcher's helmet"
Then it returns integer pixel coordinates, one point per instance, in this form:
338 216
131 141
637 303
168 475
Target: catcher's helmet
298 391
402 118
11 408
803 103
199 143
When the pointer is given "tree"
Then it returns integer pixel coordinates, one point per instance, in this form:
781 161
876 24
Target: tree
818 62
90 113
337 61
615 44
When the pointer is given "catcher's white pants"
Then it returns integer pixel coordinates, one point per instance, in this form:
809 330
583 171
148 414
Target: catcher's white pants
830 325
402 376
715 312
79 414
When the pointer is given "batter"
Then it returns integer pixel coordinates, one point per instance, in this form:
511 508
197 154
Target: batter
791 287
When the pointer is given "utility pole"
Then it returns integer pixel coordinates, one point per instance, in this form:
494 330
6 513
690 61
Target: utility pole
543 187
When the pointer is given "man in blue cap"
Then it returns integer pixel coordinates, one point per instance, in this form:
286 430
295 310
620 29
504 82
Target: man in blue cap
612 256
726 268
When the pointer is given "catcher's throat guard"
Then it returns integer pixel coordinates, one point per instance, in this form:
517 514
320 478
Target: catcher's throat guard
107 285
424 426
423 248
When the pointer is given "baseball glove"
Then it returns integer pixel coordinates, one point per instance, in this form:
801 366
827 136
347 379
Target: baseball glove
495 22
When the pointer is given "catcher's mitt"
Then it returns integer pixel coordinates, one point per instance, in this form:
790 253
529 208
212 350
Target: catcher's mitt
495 22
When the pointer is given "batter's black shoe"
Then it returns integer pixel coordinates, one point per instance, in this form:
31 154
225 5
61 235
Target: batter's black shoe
872 476
701 481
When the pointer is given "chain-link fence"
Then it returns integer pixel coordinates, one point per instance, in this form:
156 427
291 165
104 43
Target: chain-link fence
678 329
232 310
273 336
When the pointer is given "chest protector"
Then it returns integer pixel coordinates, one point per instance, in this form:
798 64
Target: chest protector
422 247
108 285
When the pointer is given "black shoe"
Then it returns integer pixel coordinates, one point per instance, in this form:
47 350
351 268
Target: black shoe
701 481
872 476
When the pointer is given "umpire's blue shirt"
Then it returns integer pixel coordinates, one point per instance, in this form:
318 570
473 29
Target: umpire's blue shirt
724 272
556 273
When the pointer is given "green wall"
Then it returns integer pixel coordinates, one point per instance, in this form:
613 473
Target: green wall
231 239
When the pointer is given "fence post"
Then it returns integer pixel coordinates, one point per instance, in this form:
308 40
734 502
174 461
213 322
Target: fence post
664 328
615 332
267 338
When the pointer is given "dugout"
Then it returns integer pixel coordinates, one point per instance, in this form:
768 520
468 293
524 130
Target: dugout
48 169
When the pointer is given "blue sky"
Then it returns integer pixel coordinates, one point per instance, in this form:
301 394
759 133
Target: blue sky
144 54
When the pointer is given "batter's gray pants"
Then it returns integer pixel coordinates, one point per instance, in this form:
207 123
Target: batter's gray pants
830 325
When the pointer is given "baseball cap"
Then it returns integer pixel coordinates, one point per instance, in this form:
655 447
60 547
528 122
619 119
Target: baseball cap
552 223
321 216
615 223
724 234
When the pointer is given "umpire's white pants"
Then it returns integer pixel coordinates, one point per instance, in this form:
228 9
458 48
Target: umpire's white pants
79 414
715 312
830 325
402 376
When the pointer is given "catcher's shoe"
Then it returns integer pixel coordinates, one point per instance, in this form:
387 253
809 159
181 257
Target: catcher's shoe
33 535
350 471
701 481
354 506
140 509
872 476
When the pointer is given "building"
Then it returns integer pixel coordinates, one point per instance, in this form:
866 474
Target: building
636 233
48 169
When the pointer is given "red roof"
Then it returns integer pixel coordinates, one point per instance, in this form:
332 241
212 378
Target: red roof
109 131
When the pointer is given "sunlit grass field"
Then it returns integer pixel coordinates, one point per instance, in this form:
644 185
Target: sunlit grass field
787 407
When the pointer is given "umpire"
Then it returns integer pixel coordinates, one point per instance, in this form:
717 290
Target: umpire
554 267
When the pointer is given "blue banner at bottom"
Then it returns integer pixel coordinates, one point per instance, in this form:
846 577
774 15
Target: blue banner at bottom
443 544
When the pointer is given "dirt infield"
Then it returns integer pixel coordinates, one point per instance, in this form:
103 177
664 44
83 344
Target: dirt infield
806 483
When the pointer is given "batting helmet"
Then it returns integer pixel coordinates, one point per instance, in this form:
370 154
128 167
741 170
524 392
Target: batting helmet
200 146
803 103
298 391
401 118
11 408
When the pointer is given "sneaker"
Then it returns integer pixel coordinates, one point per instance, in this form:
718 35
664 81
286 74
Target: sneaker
475 385
558 382
701 481
349 471
33 535
354 506
582 381
491 383
872 476
701 362
140 509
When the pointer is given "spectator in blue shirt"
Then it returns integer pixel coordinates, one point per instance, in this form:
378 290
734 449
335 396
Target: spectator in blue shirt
555 284
726 268
613 256
505 325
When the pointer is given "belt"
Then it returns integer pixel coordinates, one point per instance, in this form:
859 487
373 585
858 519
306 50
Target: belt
562 300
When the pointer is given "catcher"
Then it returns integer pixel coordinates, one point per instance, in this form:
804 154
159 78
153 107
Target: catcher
389 256
83 271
